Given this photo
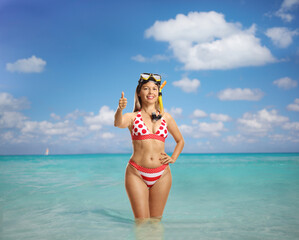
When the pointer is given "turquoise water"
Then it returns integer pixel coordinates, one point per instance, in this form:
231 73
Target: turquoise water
213 196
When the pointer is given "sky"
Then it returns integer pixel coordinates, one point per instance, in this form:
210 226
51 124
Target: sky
231 69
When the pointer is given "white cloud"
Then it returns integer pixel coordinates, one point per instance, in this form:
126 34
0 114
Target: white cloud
17 128
187 85
293 126
234 139
9 117
285 83
294 106
186 129
197 113
261 122
176 112
9 103
220 117
212 128
203 129
230 94
286 6
42 130
155 58
289 4
55 116
279 137
68 131
18 133
205 40
204 144
238 139
139 58
70 116
283 138
29 65
76 114
76 133
281 36
7 136
104 117
12 119
107 135
46 127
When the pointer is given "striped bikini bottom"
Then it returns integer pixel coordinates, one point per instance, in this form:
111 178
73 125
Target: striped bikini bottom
149 175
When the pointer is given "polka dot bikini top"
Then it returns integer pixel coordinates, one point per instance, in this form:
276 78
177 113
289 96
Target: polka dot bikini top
141 132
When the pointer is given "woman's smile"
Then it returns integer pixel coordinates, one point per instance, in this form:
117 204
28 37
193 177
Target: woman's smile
150 97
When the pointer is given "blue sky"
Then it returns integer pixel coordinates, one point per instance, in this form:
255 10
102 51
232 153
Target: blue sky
231 69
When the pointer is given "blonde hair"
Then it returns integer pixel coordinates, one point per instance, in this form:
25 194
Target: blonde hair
137 100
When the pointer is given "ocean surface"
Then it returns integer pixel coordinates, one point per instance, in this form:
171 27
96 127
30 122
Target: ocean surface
213 196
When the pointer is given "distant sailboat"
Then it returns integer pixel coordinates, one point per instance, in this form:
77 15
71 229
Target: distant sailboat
47 151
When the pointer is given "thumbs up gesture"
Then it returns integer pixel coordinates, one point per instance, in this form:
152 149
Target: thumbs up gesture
122 101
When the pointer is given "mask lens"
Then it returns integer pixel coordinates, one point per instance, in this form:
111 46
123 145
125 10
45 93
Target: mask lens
157 77
145 76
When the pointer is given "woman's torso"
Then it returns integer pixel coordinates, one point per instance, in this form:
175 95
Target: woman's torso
147 152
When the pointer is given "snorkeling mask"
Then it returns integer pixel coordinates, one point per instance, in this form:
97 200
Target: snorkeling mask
145 77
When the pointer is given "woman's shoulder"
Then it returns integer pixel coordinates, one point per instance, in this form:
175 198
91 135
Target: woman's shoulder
131 114
167 116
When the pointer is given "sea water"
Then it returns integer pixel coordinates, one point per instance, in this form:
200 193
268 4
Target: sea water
213 196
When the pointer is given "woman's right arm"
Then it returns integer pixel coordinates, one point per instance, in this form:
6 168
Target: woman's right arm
120 120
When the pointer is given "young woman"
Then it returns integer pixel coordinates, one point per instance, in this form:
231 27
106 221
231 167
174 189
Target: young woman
148 177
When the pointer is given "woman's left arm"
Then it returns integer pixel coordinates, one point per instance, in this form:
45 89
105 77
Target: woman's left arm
175 132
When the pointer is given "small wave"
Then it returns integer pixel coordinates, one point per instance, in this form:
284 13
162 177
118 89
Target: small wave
113 215
107 213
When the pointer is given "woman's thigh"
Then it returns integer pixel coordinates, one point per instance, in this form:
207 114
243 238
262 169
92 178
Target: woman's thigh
137 192
158 194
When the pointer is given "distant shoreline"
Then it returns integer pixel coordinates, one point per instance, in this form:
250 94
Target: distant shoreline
131 153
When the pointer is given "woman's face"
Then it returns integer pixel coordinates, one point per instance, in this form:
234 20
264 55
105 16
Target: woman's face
149 92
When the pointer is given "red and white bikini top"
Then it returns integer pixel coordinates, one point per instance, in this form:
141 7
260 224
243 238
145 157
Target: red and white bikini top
141 132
